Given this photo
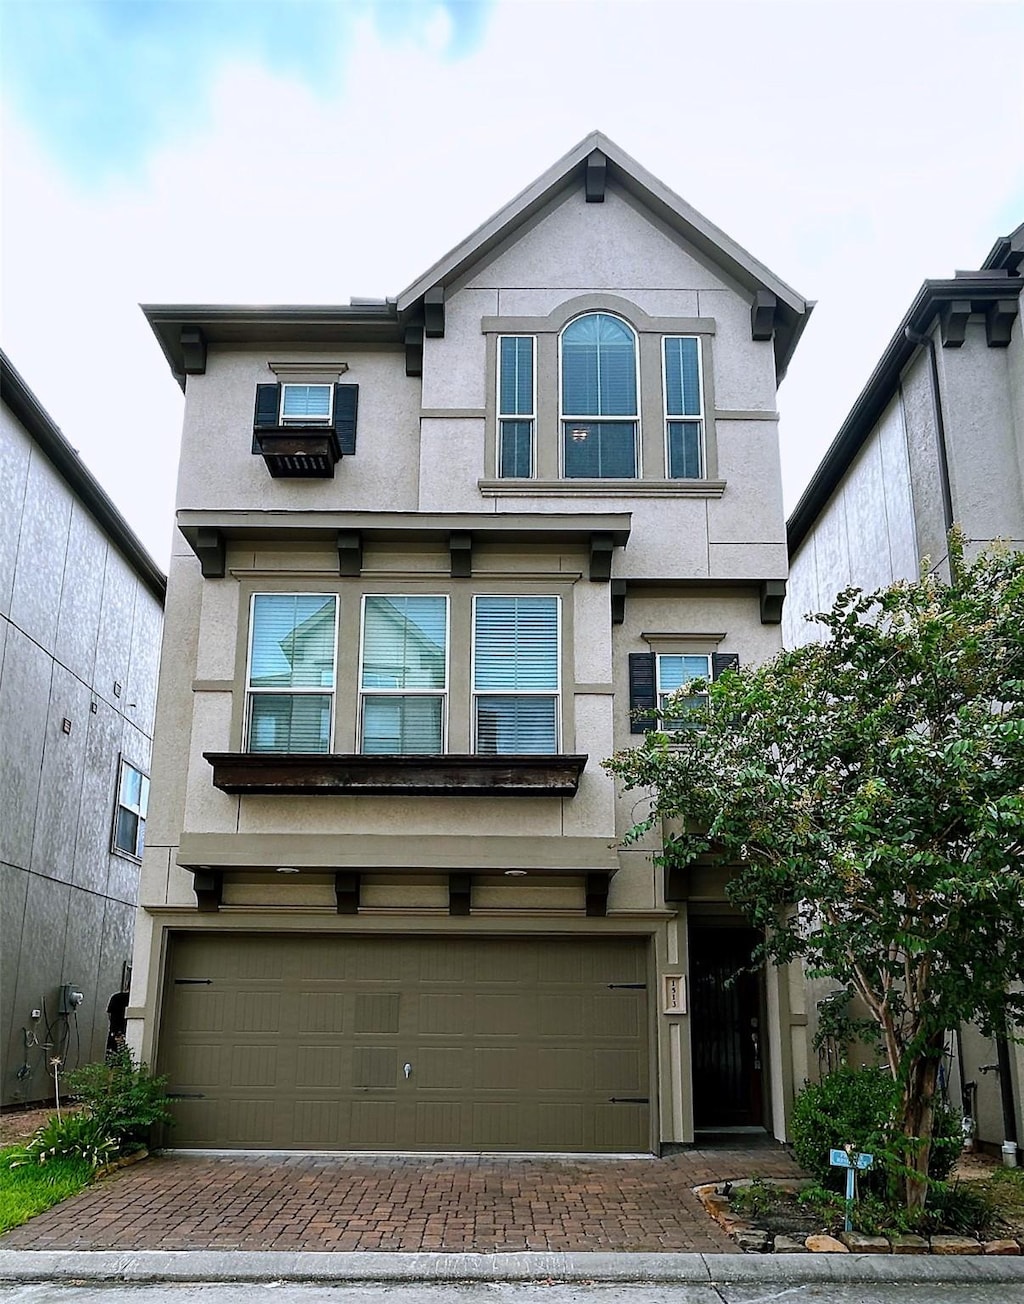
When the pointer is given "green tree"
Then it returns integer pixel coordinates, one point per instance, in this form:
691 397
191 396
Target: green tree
868 791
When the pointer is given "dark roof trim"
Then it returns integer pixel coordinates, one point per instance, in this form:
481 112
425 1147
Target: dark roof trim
933 296
41 427
1007 252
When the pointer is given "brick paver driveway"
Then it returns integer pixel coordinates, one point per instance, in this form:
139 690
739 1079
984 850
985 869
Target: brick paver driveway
454 1203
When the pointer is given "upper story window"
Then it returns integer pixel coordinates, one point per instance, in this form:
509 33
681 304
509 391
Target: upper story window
292 653
308 404
517 406
130 815
599 411
673 673
684 425
403 676
515 674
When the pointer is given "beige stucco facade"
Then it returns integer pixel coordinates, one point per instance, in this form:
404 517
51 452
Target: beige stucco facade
689 563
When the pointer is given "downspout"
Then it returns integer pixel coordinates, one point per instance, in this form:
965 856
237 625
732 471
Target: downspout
928 342
1006 1089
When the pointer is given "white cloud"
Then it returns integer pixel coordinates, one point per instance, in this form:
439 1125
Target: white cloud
827 147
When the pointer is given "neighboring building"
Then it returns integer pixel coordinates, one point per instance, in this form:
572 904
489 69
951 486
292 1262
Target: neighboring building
385 900
935 438
81 605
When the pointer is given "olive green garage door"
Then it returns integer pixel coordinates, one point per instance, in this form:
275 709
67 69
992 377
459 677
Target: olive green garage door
328 1042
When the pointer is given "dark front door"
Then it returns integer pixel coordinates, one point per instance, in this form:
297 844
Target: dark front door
726 1018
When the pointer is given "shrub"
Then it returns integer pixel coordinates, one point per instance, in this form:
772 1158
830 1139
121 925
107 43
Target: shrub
856 1107
75 1136
122 1097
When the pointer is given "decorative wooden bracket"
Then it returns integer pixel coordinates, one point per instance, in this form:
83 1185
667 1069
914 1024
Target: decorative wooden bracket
209 889
999 319
601 548
597 894
773 594
597 177
953 323
618 601
460 552
414 350
193 350
762 315
460 891
209 546
433 313
350 553
346 891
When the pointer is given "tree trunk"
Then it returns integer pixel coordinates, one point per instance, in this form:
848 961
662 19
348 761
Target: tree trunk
918 1112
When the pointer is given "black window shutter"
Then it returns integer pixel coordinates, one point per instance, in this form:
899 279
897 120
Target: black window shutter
641 692
346 404
268 404
722 661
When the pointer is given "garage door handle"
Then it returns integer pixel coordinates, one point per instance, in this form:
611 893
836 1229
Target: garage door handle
193 982
630 987
629 1100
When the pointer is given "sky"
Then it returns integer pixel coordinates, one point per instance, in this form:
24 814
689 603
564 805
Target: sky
305 151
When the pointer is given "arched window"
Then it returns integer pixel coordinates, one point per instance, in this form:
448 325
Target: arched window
600 417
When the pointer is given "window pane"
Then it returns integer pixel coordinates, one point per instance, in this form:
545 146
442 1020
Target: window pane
516 724
516 377
598 367
675 671
684 460
515 454
306 402
404 642
402 725
292 641
126 832
682 377
516 643
131 787
286 722
600 449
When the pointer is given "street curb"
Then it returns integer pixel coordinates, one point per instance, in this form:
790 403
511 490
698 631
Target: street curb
241 1266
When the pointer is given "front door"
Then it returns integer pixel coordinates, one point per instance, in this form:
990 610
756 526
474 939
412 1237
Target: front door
726 1028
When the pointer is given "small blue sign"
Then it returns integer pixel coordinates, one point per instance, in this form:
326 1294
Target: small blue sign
844 1159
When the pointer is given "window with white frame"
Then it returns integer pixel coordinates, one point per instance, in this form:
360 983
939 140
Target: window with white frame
674 672
291 677
517 406
306 404
130 814
515 674
684 424
600 417
403 675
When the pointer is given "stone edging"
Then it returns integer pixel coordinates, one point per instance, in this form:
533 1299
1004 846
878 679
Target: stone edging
756 1240
126 1161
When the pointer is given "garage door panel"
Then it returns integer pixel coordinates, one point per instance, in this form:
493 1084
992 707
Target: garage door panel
514 1044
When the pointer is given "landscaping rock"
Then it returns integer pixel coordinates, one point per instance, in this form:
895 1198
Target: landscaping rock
1001 1247
825 1245
752 1240
859 1243
790 1245
910 1244
955 1245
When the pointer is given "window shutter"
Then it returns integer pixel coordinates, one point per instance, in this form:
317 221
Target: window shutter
641 691
346 403
268 403
722 661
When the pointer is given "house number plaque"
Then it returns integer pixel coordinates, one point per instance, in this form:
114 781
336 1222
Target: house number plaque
673 993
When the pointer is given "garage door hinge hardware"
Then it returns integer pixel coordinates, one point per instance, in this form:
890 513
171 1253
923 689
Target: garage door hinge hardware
629 1100
194 982
633 987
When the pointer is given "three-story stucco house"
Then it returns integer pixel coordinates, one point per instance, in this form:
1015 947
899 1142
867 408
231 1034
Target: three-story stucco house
439 556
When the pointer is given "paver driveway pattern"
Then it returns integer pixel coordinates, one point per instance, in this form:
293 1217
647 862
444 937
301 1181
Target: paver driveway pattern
456 1203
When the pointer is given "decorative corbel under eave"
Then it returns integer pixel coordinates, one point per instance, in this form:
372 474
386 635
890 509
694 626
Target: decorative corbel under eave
953 323
597 177
414 350
433 313
618 601
999 318
460 892
209 889
597 894
762 315
209 546
193 351
346 891
773 595
350 553
460 552
601 548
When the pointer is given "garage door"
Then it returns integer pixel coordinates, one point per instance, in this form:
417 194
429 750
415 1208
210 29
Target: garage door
367 1043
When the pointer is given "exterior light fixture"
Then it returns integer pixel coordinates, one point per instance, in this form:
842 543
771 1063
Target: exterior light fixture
286 869
515 873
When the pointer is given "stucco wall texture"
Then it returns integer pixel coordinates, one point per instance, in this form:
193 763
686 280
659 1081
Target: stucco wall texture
79 643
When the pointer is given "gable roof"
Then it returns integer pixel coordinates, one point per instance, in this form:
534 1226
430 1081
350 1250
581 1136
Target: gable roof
792 308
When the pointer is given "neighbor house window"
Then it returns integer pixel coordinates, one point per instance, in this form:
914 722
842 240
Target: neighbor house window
600 418
130 815
517 406
684 425
308 404
515 674
292 647
675 672
403 677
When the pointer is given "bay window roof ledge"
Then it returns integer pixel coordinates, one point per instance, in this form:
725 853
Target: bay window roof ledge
452 775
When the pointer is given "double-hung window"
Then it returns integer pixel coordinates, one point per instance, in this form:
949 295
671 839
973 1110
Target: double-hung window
306 404
292 653
403 675
130 815
600 417
517 406
675 672
515 674
684 424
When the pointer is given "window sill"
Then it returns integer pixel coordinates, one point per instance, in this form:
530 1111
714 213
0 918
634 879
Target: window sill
601 488
410 776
